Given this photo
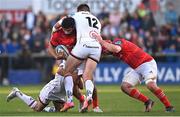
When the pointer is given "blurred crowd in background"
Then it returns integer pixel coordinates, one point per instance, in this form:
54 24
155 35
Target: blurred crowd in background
33 34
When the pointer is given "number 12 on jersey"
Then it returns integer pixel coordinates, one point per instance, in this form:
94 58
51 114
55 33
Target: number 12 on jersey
92 22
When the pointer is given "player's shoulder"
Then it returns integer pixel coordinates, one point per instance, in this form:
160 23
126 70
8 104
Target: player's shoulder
57 33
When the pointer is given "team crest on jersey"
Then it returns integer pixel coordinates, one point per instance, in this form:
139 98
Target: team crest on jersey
118 42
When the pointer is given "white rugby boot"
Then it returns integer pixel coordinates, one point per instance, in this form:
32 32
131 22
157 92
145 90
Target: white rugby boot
12 94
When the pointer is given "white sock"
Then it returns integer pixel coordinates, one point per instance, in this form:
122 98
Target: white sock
68 83
89 88
27 99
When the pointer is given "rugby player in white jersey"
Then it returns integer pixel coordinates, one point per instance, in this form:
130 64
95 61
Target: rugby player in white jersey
53 91
86 48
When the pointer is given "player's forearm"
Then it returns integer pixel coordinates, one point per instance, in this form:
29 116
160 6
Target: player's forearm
57 25
110 47
51 51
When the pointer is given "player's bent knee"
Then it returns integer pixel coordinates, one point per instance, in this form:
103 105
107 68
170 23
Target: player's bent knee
151 84
150 81
125 86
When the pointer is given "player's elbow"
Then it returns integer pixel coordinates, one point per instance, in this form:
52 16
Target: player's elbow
117 49
49 51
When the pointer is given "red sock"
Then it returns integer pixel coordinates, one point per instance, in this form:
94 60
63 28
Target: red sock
95 102
162 97
81 99
137 95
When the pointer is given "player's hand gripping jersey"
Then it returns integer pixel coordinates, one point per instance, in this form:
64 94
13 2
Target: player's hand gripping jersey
131 54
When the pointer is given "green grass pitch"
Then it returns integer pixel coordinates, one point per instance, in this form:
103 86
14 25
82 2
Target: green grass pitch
111 99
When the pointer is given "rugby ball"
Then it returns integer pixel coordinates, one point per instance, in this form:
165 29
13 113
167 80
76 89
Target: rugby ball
62 48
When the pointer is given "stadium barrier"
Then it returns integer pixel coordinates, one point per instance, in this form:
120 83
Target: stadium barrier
109 70
112 73
24 77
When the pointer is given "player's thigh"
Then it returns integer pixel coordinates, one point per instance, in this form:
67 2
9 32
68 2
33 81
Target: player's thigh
148 71
89 69
87 49
51 91
95 53
132 78
71 64
39 106
79 52
44 93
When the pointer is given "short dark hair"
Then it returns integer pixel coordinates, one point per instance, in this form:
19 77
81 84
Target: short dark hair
83 7
68 22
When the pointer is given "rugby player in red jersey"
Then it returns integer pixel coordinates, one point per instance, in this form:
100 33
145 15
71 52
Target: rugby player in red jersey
66 35
144 68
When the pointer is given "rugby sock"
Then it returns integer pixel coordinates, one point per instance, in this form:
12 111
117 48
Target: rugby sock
95 101
137 95
68 82
162 97
89 88
81 99
27 99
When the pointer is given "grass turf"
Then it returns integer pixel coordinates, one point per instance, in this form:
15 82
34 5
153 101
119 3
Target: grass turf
111 99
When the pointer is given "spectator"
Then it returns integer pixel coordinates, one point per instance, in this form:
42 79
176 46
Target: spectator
170 14
135 22
103 16
13 47
114 20
30 19
3 46
148 22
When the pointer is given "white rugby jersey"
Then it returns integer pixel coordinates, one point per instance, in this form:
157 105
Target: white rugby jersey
86 23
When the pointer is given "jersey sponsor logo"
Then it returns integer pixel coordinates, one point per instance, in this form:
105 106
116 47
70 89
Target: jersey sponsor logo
84 45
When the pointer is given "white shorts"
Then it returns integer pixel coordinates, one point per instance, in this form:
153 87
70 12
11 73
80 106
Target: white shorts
53 91
86 50
145 72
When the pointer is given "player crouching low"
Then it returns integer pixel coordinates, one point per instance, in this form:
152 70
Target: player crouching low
144 68
53 91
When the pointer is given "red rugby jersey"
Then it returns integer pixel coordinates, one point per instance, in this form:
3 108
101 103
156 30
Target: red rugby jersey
131 53
60 38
